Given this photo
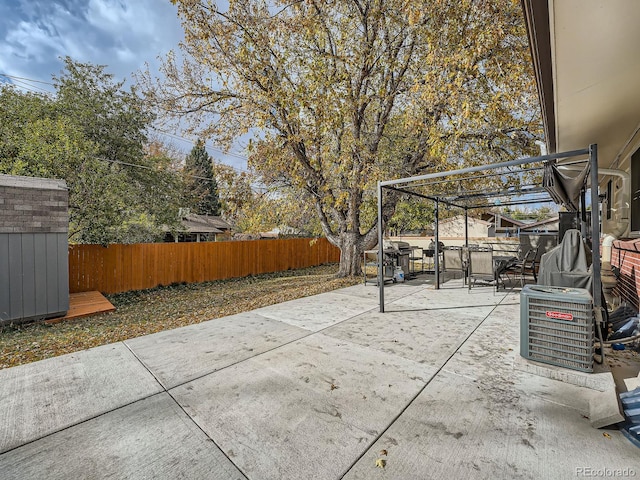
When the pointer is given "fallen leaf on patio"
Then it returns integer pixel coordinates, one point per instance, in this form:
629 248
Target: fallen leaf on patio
380 463
383 452
606 435
333 387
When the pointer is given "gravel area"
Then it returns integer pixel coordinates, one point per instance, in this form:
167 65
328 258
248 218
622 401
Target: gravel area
149 311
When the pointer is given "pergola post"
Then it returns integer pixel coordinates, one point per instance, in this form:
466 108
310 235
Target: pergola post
595 228
380 250
466 227
436 248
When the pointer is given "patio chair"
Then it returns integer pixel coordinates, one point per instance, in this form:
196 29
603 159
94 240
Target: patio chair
481 265
452 260
428 254
525 266
417 253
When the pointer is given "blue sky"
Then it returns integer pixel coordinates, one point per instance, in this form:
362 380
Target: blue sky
120 34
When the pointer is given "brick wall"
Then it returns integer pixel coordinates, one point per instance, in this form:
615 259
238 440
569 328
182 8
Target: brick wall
33 205
625 255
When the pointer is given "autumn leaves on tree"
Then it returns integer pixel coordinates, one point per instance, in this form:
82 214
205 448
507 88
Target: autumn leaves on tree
341 94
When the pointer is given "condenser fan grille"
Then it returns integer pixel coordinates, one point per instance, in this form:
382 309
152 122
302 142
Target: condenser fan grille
557 327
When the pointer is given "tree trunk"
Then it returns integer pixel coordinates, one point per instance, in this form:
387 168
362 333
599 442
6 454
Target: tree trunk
350 254
352 246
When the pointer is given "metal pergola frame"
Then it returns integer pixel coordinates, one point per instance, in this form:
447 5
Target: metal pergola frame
468 201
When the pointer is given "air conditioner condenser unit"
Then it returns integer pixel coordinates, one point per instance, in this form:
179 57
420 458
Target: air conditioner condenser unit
556 326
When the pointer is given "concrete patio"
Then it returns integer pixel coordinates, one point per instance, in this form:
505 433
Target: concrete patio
316 388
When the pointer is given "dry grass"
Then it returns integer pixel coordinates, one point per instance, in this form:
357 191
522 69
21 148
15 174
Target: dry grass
164 308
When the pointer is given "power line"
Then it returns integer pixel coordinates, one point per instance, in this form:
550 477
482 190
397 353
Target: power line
22 82
24 78
28 87
241 170
27 83
147 167
219 150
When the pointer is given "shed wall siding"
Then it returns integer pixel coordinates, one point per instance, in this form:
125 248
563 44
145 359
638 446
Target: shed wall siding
34 278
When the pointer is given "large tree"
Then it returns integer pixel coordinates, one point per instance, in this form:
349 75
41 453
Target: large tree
91 133
345 93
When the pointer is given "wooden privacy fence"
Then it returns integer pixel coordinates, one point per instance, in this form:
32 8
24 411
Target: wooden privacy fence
121 268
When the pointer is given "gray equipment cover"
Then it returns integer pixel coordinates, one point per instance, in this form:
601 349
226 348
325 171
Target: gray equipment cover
568 264
564 187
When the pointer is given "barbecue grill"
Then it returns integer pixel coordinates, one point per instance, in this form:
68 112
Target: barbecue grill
401 251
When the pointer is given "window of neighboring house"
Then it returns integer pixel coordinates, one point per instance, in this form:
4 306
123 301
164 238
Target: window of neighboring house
635 193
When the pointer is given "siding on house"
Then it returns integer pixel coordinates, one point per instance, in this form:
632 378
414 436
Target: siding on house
454 227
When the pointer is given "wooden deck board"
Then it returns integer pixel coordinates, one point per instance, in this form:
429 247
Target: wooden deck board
84 304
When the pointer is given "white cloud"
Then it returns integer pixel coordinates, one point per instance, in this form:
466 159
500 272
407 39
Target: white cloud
122 35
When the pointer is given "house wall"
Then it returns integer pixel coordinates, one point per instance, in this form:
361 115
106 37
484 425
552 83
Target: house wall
34 278
625 255
32 205
509 245
547 227
455 228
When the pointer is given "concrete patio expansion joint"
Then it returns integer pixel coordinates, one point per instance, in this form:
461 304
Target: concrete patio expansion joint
413 399
167 391
259 354
73 425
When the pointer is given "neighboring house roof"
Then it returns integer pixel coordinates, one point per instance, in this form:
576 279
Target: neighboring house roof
493 217
459 218
193 223
255 236
542 223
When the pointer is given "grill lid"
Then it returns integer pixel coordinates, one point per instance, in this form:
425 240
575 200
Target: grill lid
402 245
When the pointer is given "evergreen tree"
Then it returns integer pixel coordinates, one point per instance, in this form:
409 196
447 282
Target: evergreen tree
201 187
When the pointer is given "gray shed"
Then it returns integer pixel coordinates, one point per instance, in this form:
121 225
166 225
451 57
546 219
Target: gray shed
34 270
